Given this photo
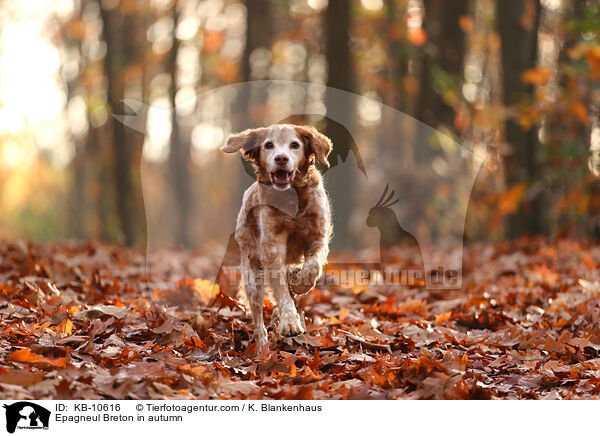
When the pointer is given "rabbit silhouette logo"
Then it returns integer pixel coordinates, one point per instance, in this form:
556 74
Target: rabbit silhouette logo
26 415
391 232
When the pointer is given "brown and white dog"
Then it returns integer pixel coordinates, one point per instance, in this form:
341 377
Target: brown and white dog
284 225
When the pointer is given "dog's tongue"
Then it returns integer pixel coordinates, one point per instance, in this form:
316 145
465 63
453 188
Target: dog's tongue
282 177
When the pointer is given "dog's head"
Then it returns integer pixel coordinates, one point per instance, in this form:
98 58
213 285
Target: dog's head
281 153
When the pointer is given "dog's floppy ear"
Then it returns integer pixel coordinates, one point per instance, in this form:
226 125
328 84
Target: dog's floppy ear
316 143
248 141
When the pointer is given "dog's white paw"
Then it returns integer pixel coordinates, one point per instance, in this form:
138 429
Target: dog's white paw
261 338
290 325
302 279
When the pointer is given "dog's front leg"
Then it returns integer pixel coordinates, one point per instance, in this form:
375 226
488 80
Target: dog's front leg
273 252
303 279
253 284
255 291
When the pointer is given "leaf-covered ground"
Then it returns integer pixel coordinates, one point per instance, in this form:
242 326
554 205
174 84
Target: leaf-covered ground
79 321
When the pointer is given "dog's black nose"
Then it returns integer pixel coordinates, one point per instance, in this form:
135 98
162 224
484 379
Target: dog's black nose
281 159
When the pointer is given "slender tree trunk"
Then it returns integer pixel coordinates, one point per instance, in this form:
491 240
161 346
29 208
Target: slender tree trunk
585 132
398 58
518 22
444 53
399 54
558 129
78 206
78 200
340 75
443 59
122 37
259 33
100 183
179 151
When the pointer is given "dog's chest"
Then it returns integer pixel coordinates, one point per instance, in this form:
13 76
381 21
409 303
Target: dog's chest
300 216
300 224
302 231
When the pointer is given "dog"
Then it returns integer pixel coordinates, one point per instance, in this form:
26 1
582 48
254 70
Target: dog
284 224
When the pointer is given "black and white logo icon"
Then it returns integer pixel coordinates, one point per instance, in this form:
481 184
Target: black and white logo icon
26 415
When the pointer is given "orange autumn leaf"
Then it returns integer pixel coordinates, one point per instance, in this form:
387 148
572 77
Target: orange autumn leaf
528 20
580 112
592 56
359 289
194 371
461 121
572 198
443 317
76 28
344 312
205 290
213 41
466 23
333 320
511 199
588 261
376 378
417 36
26 356
528 116
66 327
227 70
197 342
536 76
60 362
74 309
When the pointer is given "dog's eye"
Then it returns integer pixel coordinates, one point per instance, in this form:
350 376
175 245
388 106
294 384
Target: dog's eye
268 146
294 145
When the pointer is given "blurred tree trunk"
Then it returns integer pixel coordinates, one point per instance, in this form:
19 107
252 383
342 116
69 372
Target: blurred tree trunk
78 200
398 56
578 15
518 22
340 75
444 54
78 203
101 183
442 67
399 94
580 90
124 35
259 33
179 152
558 128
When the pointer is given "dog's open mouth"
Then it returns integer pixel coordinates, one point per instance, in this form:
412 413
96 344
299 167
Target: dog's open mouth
281 178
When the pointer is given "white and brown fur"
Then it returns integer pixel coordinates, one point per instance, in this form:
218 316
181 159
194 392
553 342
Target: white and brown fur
284 225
